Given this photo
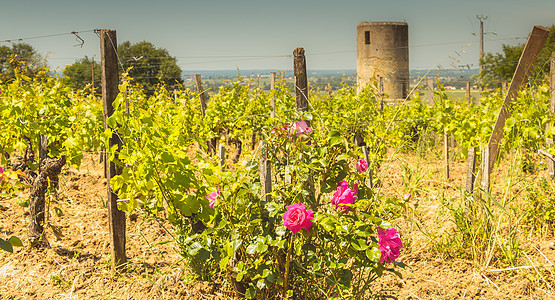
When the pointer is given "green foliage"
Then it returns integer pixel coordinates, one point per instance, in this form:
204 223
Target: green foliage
540 209
500 67
79 74
19 60
151 66
30 107
242 237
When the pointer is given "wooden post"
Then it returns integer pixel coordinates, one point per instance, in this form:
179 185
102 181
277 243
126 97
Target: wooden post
110 80
381 93
43 150
330 91
430 91
486 156
446 152
468 99
201 94
549 142
104 160
222 156
365 152
471 166
358 140
265 169
552 79
503 87
268 179
273 99
212 143
92 75
301 83
531 51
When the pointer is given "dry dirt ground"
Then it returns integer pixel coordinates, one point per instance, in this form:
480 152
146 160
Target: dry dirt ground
77 264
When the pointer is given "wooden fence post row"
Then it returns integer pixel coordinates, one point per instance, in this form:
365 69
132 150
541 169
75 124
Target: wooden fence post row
110 80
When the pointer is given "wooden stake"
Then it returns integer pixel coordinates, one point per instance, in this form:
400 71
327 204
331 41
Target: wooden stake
365 152
301 82
381 93
92 76
535 43
503 87
110 80
471 166
222 156
552 79
265 169
446 152
486 156
201 94
273 99
468 99
268 179
212 143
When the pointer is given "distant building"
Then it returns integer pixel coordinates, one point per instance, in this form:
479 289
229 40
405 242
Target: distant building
383 51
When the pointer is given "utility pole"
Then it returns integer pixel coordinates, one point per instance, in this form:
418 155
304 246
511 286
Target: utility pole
482 18
92 75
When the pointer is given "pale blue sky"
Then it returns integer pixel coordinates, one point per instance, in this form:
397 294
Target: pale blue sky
259 34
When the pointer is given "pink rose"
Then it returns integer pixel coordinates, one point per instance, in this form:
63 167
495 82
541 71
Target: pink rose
298 217
1 170
389 244
300 128
344 196
362 165
212 197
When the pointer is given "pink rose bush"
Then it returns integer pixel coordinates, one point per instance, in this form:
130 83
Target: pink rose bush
212 197
300 127
344 196
298 217
297 128
389 244
362 165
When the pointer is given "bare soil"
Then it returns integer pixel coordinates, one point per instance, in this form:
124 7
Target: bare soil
77 263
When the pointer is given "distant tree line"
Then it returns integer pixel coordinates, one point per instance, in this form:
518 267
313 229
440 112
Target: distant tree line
147 65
